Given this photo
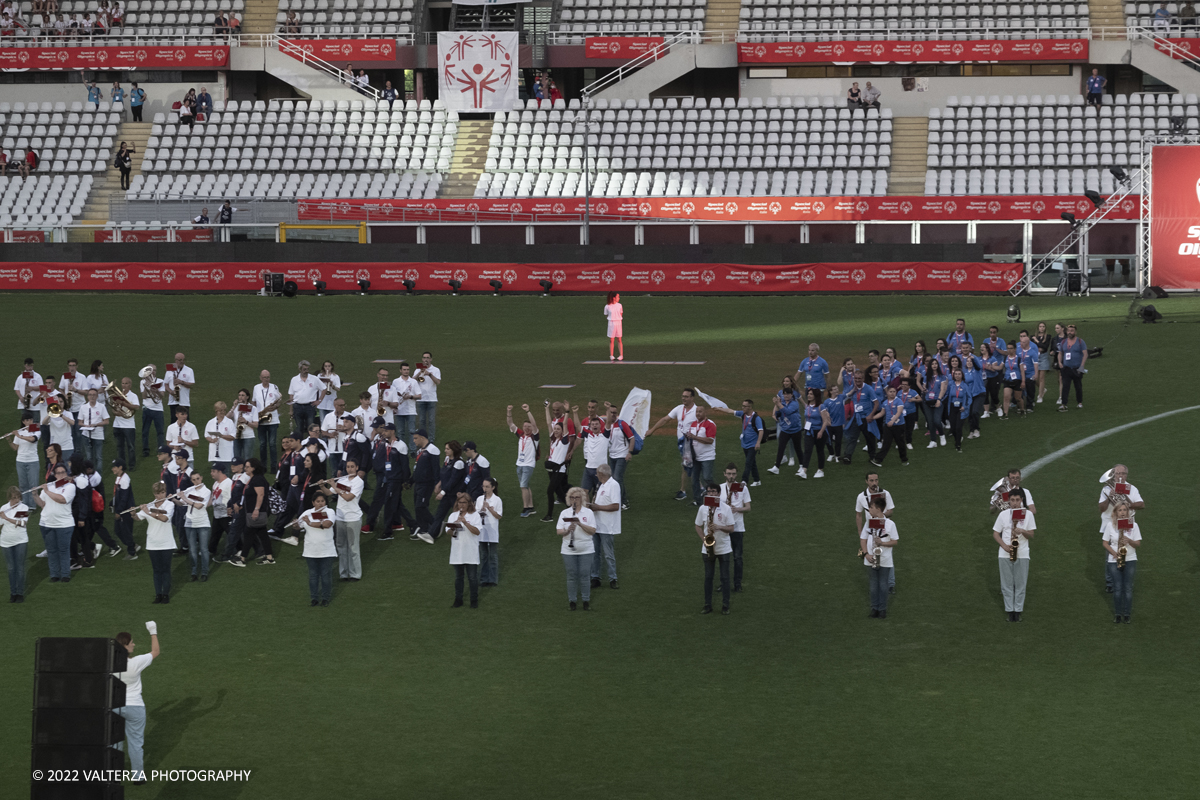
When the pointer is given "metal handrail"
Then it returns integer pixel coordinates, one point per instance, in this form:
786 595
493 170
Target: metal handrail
303 56
617 75
264 39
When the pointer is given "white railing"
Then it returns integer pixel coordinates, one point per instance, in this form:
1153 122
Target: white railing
653 54
267 39
565 38
302 55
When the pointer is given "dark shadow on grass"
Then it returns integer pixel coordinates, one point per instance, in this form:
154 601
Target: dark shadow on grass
1095 558
165 728
1189 533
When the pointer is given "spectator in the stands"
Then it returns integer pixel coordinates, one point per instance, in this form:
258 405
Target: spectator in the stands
29 163
292 23
220 24
235 24
85 26
117 95
537 90
871 96
555 95
94 95
75 26
204 103
1162 17
37 6
389 94
201 218
61 28
116 14
102 21
124 163
137 98
362 82
1095 88
4 163
187 111
854 96
1187 16
348 75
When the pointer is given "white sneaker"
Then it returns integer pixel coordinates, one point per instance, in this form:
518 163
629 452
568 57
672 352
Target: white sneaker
41 554
757 483
791 462
942 441
973 435
1039 399
931 446
985 415
292 540
99 547
819 474
773 470
866 449
802 473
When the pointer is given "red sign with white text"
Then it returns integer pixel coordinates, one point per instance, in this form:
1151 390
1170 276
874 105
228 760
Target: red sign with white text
187 57
336 50
181 235
619 46
28 236
989 208
923 52
1175 216
390 276
1190 47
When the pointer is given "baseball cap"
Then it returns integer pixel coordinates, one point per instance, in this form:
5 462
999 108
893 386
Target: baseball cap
164 449
117 462
469 445
389 427
422 433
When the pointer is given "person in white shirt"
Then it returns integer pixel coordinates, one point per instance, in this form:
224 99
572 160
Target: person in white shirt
614 311
220 433
222 491
607 505
245 423
73 386
595 448
152 410
862 501
407 392
96 379
179 383
527 455
332 383
92 419
577 526
196 525
267 399
1013 529
737 496
876 540
364 418
620 449
160 540
490 509
1121 541
319 550
389 400
125 428
26 388
60 428
14 541
336 427
57 523
304 393
702 439
464 525
349 489
134 710
182 435
683 415
428 377
556 468
1109 496
715 519
25 443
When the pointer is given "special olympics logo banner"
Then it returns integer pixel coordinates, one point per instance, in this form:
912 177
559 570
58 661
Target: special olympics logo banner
126 57
621 47
1175 222
477 70
338 51
925 52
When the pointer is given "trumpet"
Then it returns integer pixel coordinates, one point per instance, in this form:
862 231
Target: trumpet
54 410
116 399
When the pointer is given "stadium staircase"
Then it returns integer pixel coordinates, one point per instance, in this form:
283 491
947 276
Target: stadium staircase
909 143
108 184
470 158
1107 19
722 15
259 16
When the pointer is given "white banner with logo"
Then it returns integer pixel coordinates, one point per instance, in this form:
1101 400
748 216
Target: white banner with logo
477 70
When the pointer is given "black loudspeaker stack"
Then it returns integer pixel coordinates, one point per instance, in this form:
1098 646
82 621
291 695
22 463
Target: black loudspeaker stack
74 726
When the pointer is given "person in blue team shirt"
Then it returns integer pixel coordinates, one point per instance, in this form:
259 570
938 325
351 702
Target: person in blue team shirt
941 354
814 369
958 336
1095 88
846 375
816 432
911 398
1014 380
934 395
993 377
864 403
94 94
994 341
973 373
920 351
893 428
789 383
873 377
1072 358
958 405
835 407
1028 352
889 370
753 434
788 427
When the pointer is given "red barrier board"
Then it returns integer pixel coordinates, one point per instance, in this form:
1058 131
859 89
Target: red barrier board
181 235
1191 47
990 208
619 46
29 236
433 277
184 57
924 52
1175 211
338 50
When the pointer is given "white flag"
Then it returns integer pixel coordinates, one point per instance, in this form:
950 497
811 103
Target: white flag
712 401
477 70
636 410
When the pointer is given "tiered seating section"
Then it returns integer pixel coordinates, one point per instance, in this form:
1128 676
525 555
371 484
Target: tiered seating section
319 145
641 17
1043 145
166 17
41 200
143 18
781 145
349 17
78 140
812 20
1142 14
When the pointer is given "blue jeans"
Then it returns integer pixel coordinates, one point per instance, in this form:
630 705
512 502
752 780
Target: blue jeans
160 561
1122 581
135 735
93 451
750 473
606 552
14 559
76 436
618 465
267 445
577 576
242 449
406 426
320 577
155 418
427 418
489 562
58 550
197 539
879 586
701 472
28 473
590 481
302 415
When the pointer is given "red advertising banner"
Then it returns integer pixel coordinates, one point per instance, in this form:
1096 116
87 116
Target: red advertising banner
1190 47
28 236
184 57
1175 214
433 277
181 235
924 52
619 46
989 208
338 50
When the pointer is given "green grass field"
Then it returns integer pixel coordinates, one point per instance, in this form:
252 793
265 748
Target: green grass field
391 693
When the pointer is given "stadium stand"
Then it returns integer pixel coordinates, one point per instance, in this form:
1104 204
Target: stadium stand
617 17
1044 145
349 17
141 18
336 149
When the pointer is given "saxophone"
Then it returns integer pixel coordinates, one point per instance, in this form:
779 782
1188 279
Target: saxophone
710 536
382 409
1016 543
876 553
1122 551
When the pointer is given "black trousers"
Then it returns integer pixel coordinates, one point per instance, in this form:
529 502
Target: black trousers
910 422
556 488
796 440
256 539
894 434
956 426
394 512
219 528
1071 377
812 443
123 527
710 564
422 494
471 571
993 387
443 511
833 440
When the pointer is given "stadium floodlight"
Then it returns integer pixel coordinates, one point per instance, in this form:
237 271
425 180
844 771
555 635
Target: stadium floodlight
410 286
546 287
1014 313
364 286
1095 197
496 286
454 286
320 287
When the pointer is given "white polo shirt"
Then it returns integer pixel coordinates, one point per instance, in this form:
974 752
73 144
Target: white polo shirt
740 499
722 516
490 532
264 396
1004 526
331 391
304 390
889 533
318 541
428 387
132 678
582 541
349 510
185 394
1107 516
197 517
90 419
707 429
464 545
150 403
608 493
221 449
60 430
33 383
130 421
176 435
406 386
